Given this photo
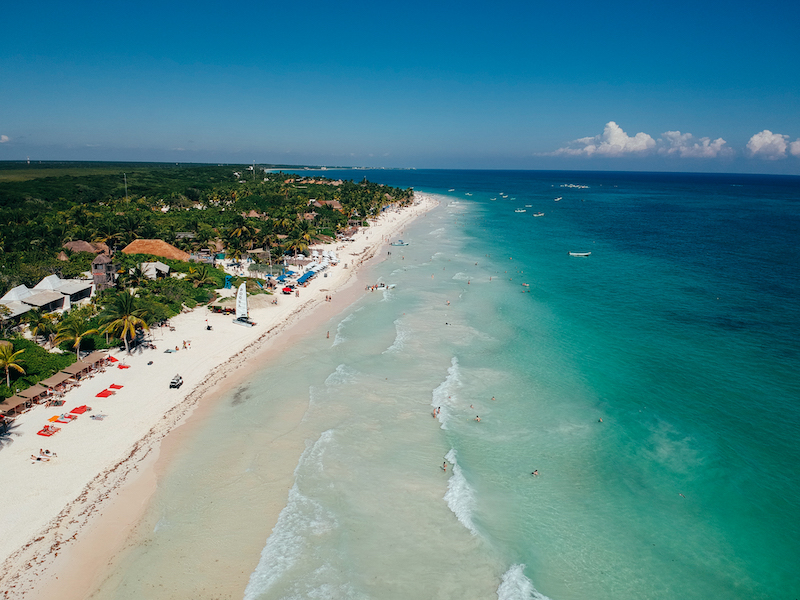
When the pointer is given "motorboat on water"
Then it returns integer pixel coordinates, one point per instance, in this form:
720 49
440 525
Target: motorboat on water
399 243
540 214
557 199
519 210
580 253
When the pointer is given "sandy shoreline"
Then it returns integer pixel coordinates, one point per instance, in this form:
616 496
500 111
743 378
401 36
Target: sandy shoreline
51 505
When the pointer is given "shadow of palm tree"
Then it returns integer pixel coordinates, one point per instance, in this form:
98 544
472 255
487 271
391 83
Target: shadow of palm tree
8 434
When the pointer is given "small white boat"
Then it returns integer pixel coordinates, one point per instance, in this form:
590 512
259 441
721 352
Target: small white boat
528 205
468 194
538 214
452 190
518 210
399 243
557 199
579 253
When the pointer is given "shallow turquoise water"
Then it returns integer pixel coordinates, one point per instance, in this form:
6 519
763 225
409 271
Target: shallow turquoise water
678 332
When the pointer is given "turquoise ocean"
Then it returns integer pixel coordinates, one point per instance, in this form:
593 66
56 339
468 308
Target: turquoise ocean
654 385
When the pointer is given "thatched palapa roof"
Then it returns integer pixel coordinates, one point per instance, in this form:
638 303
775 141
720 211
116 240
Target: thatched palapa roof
155 248
80 246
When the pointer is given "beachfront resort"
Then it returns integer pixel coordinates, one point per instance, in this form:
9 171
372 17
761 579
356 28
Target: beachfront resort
100 364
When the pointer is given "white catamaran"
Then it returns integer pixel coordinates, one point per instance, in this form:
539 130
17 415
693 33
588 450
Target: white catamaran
242 316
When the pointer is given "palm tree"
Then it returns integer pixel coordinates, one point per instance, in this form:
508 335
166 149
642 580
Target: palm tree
296 244
135 277
122 317
40 324
10 360
74 329
200 275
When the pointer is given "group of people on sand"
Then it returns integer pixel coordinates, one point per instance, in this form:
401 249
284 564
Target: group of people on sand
44 456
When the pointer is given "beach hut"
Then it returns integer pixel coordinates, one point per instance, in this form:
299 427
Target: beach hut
54 380
93 358
33 394
77 369
15 404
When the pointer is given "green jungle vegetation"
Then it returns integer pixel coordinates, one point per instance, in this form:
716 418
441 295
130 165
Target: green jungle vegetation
234 208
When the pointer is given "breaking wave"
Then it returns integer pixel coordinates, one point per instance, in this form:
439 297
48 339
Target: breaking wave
460 497
515 586
445 396
403 334
342 375
301 521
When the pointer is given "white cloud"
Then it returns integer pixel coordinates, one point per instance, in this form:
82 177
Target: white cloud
681 144
612 142
794 148
768 145
4 139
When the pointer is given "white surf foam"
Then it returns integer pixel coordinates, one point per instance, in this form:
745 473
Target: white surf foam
446 394
460 497
515 586
403 335
461 277
301 520
342 375
340 339
437 232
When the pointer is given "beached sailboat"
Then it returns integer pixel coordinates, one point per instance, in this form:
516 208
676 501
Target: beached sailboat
242 316
579 253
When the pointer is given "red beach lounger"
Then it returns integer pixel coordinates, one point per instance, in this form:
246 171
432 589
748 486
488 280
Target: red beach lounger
123 366
115 386
105 394
79 410
49 430
112 359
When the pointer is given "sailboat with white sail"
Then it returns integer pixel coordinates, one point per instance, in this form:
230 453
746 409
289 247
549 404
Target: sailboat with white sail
242 315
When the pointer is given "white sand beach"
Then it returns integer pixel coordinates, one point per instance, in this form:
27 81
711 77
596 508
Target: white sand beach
48 505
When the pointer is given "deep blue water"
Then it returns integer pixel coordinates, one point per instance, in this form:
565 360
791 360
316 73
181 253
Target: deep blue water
680 332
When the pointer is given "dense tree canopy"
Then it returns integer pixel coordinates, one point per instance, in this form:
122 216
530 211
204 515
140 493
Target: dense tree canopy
191 207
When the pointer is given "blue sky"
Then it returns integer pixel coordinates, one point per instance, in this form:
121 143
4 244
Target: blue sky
680 86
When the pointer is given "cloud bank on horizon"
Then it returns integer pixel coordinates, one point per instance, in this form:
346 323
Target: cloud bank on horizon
615 142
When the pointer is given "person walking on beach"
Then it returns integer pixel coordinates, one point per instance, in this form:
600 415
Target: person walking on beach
444 466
